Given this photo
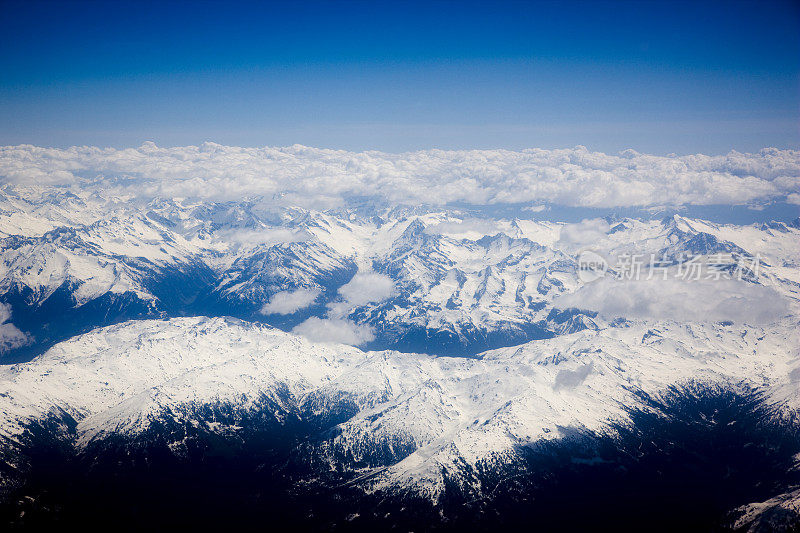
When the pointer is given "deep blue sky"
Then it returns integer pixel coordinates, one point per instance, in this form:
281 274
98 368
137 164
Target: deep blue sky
657 77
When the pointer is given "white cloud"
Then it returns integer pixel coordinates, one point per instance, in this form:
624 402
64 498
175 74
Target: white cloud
570 379
679 300
266 236
469 226
10 336
288 302
325 178
367 287
536 208
584 233
334 330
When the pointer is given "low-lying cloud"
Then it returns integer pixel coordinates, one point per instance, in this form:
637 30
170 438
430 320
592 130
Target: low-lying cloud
338 330
364 288
288 302
583 233
569 379
464 227
264 237
10 336
679 300
367 287
317 177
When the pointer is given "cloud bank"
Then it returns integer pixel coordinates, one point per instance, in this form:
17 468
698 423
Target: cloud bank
314 177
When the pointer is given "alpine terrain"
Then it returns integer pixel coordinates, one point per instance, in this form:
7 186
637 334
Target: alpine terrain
363 367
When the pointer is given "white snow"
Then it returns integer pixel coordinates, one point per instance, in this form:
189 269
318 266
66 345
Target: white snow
116 379
436 269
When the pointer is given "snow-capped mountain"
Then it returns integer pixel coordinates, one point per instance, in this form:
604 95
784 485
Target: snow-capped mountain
461 284
392 422
404 354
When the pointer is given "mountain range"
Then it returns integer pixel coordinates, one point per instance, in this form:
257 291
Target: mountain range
400 366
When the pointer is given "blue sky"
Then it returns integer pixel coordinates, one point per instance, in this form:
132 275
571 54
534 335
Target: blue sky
657 77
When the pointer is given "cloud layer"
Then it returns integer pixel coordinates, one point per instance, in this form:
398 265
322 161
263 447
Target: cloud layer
320 178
